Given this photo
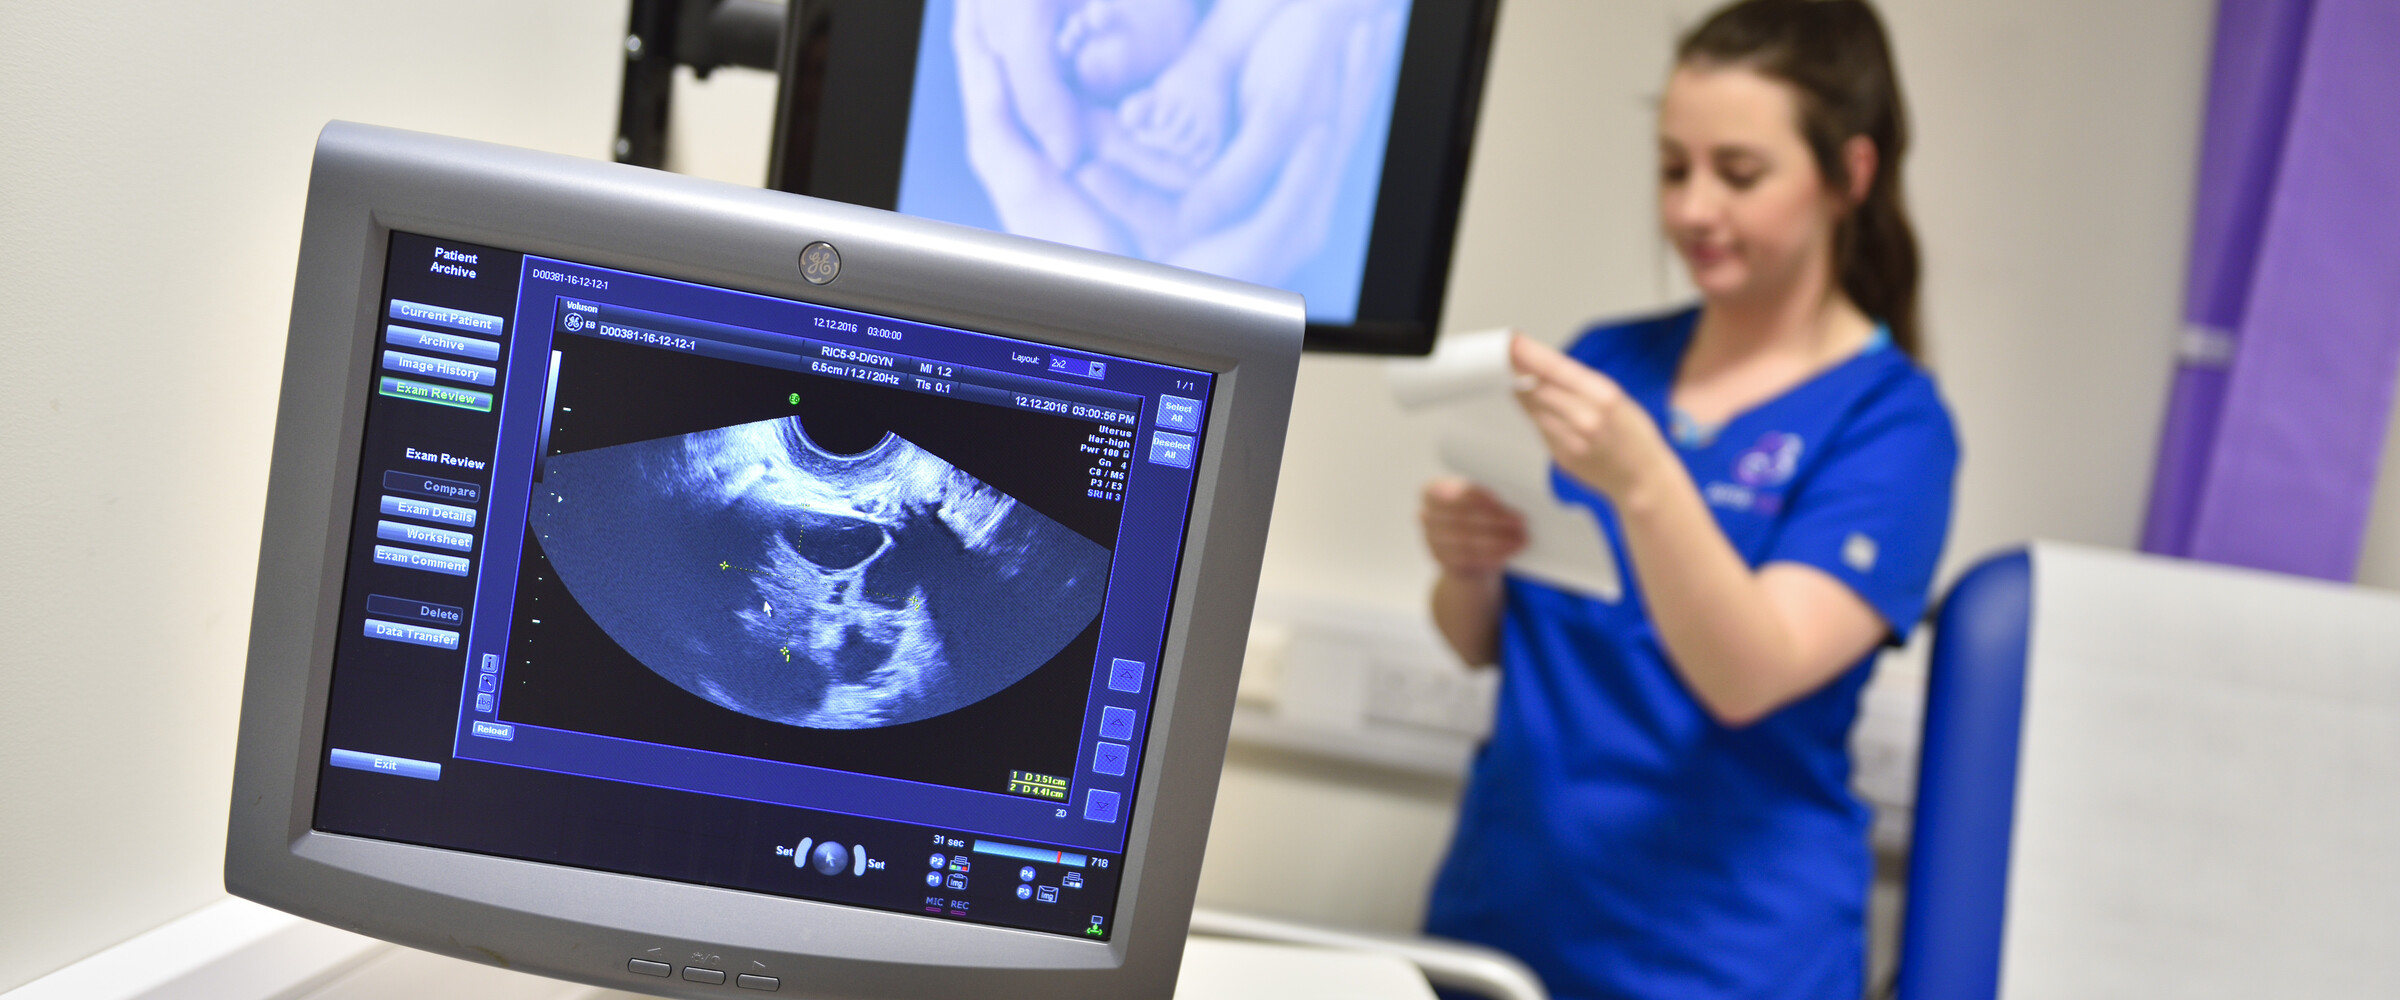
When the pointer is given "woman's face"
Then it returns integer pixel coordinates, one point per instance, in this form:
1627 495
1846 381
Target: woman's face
1739 194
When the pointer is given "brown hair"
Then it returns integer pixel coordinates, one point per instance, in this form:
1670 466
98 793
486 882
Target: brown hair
1835 55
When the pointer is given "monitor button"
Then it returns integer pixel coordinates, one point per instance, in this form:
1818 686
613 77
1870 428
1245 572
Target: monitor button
1100 806
1125 675
382 764
1109 758
648 968
1178 413
767 983
1116 723
1168 448
695 974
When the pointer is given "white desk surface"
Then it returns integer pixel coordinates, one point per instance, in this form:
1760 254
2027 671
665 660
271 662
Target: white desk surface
238 950
1213 969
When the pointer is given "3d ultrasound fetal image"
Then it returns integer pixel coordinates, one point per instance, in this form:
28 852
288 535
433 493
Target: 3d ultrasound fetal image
757 570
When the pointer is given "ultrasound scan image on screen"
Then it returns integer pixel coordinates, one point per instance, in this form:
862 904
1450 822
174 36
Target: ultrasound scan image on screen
754 568
1239 137
750 592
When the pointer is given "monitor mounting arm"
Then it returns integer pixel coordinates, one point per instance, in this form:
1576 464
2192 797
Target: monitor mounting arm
702 34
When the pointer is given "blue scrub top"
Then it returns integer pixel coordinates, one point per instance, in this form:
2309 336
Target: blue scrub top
1613 835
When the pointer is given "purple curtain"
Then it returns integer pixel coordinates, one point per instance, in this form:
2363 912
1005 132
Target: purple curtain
2276 418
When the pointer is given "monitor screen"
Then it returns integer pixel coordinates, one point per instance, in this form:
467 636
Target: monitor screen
669 574
847 591
1247 142
1315 146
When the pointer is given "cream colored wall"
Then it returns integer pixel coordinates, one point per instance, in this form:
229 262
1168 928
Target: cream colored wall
150 194
1311 840
2379 555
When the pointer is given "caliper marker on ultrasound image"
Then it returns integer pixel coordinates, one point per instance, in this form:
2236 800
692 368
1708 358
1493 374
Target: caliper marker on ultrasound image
755 569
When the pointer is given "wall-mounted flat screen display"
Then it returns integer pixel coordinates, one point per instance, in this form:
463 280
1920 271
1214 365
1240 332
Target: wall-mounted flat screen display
1317 146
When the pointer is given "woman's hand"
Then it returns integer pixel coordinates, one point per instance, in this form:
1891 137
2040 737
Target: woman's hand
1472 536
1470 532
1597 433
1746 641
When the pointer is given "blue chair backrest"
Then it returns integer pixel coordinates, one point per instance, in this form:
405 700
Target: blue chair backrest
1966 785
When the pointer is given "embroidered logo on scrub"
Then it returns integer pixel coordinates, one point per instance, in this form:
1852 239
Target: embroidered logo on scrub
1764 466
1770 462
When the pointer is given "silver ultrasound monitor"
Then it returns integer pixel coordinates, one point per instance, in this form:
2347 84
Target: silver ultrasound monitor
717 592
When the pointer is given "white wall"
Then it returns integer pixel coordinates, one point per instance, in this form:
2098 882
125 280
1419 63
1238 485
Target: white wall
150 191
150 194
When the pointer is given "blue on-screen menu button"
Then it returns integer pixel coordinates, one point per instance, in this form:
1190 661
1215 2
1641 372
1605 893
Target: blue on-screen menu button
444 316
1100 806
456 371
381 764
1116 723
428 340
1178 413
1171 449
418 534
413 634
431 562
429 511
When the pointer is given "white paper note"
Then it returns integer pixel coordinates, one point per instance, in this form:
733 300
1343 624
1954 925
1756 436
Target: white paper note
1464 391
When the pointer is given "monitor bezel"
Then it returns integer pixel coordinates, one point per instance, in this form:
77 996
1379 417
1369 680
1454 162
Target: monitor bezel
582 924
841 128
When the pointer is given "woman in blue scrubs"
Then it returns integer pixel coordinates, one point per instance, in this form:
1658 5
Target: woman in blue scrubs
1664 808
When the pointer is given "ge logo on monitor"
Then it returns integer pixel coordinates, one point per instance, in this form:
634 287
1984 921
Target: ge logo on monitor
820 263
